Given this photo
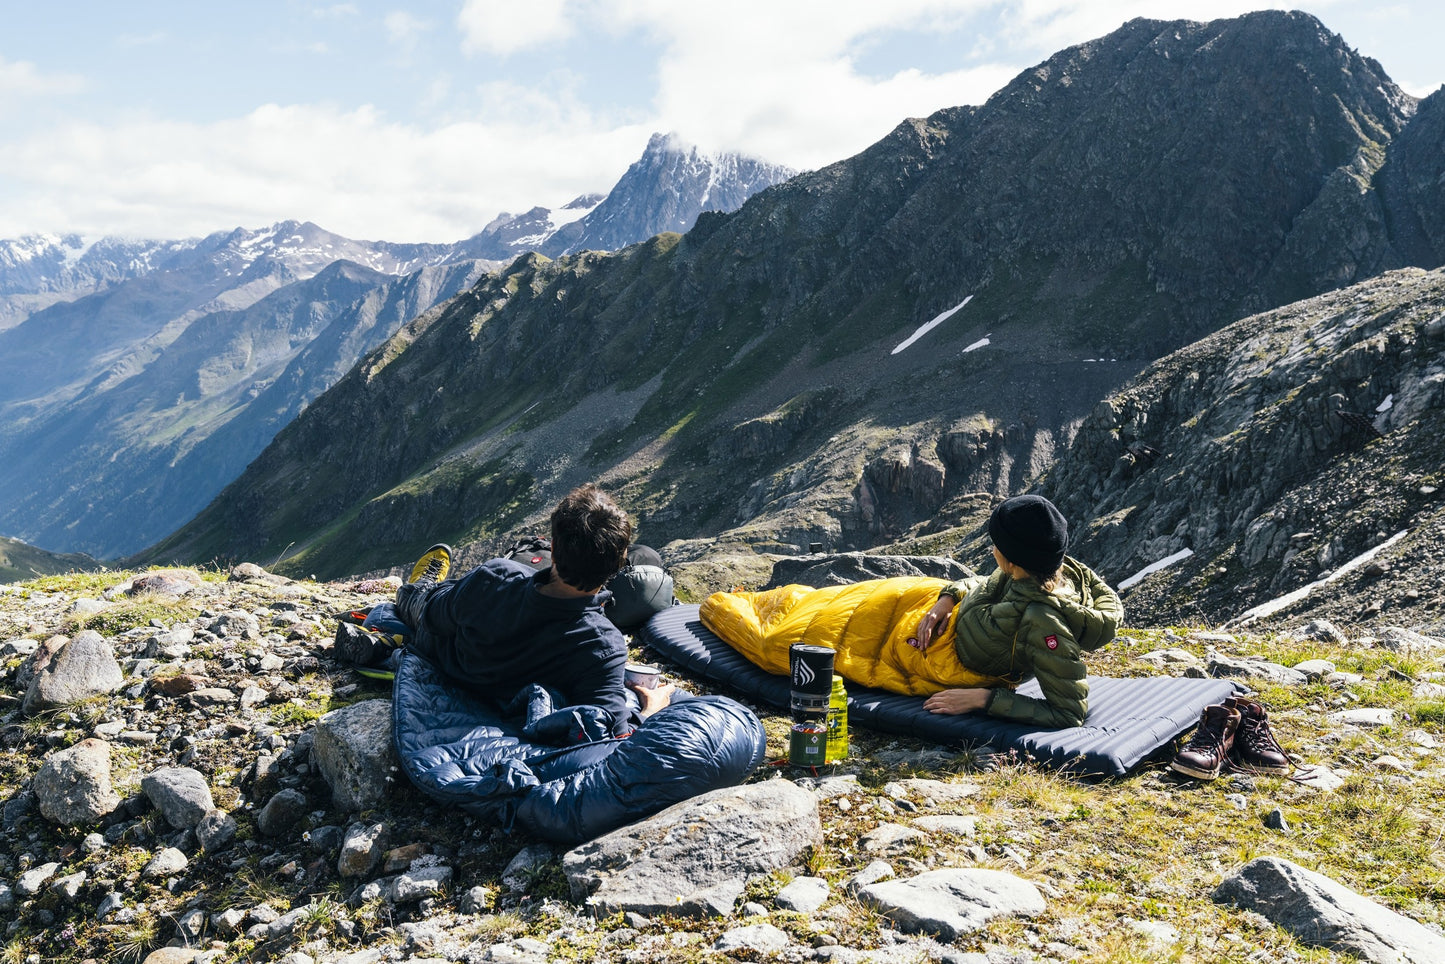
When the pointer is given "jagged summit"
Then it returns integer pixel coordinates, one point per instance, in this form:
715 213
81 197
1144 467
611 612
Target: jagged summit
664 190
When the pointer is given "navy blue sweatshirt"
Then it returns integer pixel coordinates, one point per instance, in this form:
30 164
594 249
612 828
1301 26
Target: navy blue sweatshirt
494 632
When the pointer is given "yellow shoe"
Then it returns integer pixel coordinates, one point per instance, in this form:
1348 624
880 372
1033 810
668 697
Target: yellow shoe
434 564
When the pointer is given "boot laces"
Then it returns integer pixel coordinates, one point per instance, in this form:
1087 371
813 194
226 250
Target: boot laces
1257 735
1210 735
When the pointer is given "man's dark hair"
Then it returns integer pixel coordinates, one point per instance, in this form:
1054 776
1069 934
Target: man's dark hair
590 535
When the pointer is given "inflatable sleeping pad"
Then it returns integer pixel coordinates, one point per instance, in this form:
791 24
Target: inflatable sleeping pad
1129 721
465 751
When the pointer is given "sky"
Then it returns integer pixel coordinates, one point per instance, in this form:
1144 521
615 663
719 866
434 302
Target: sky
424 121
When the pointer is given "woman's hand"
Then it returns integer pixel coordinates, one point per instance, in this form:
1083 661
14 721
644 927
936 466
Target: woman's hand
931 626
956 702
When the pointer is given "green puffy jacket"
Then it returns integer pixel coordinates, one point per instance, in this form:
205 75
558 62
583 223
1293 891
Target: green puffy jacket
1014 629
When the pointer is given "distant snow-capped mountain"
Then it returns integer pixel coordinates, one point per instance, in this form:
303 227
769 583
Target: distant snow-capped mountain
38 270
665 190
145 375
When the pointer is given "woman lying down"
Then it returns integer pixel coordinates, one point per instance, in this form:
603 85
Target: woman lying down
965 645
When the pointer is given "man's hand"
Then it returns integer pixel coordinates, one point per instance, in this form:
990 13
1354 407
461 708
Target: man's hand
931 626
653 699
956 702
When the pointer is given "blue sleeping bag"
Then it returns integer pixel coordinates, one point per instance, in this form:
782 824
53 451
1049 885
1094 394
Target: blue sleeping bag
469 752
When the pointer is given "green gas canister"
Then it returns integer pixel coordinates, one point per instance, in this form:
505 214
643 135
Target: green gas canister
808 743
837 721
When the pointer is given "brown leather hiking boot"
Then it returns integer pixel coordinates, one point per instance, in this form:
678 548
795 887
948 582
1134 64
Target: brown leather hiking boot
1208 751
1255 748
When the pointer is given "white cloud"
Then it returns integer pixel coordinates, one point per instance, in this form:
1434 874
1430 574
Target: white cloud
779 80
20 78
403 28
502 27
351 172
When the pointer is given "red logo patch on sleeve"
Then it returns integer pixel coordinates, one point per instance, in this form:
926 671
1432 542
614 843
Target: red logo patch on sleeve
1052 642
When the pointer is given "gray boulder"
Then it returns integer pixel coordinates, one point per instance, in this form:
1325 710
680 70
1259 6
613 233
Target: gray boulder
1400 640
216 830
1324 913
1259 669
695 857
355 753
848 567
282 812
950 903
181 794
72 787
83 667
361 849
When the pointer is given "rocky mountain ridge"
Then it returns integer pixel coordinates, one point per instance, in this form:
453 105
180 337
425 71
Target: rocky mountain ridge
1272 453
874 351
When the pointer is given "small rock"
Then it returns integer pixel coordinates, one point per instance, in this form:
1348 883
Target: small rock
1400 640
1315 669
475 901
1258 669
355 754
1367 717
804 895
181 794
361 850
517 874
282 812
413 885
69 672
1388 762
951 903
1275 820
1318 777
1171 657
1323 913
215 831
757 938
166 863
67 887
1323 631
871 874
164 582
890 838
958 826
31 881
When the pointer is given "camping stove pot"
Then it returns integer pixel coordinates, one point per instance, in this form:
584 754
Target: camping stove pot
811 672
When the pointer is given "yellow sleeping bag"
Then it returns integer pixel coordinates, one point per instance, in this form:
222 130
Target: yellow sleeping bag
867 624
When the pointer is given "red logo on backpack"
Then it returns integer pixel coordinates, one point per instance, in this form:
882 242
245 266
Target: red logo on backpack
1052 642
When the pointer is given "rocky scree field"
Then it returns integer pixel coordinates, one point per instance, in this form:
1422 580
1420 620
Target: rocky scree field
238 805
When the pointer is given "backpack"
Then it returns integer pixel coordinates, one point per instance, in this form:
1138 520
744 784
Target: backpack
534 553
639 590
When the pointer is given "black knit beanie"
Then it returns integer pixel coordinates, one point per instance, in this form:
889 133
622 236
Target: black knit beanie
1030 533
